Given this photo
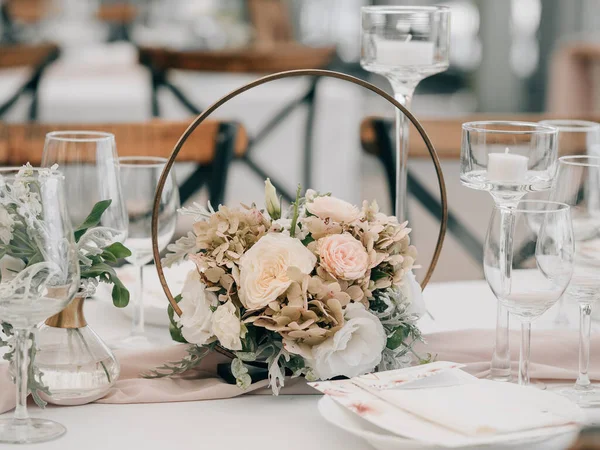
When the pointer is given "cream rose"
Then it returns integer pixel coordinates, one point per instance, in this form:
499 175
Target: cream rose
343 256
226 326
195 304
263 268
334 209
354 350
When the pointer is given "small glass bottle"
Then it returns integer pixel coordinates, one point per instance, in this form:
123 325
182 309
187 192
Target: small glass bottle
77 366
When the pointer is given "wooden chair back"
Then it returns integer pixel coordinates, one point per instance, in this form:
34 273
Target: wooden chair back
26 55
21 143
446 134
271 21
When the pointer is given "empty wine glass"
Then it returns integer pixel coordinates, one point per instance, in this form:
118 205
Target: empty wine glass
541 268
578 184
89 162
39 275
139 179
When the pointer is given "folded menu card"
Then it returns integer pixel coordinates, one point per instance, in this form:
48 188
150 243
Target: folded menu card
440 404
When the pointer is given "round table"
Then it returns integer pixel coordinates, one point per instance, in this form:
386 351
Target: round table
251 421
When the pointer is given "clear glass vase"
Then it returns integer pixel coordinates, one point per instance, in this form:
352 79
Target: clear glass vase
77 366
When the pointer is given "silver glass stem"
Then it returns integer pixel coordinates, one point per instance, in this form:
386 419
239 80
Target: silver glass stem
138 312
22 339
525 353
583 380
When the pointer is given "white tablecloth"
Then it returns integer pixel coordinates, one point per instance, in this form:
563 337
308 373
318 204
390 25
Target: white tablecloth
249 422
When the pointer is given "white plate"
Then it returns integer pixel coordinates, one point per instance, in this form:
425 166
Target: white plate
155 300
380 439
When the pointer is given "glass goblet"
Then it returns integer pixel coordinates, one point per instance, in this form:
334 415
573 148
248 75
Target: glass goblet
542 237
139 178
39 275
575 137
405 44
578 184
507 159
89 162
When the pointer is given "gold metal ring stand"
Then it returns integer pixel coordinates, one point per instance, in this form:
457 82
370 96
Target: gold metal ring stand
278 76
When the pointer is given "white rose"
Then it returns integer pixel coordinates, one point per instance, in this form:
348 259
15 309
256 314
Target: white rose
354 350
226 326
10 267
263 268
196 313
334 209
411 290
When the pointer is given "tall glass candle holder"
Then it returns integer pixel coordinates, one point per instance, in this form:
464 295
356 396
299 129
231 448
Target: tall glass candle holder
405 45
507 159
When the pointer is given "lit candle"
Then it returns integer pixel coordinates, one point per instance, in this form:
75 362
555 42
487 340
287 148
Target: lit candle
410 53
507 167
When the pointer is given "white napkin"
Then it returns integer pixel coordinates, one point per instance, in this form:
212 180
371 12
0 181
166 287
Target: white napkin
440 404
482 408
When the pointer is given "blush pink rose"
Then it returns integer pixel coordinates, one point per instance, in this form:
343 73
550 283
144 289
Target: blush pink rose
343 256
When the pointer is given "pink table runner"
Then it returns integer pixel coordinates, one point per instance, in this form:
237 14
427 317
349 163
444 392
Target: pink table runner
554 357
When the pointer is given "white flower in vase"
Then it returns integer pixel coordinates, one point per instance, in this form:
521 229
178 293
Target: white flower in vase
411 290
353 350
196 312
226 326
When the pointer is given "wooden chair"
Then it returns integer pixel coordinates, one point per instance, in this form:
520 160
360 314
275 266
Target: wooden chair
212 147
273 50
35 57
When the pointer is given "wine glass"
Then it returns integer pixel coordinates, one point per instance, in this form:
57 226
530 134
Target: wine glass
139 180
575 137
543 249
39 273
507 159
89 162
578 184
405 44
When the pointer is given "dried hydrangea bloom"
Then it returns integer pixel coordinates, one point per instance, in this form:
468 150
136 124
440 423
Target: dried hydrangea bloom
223 239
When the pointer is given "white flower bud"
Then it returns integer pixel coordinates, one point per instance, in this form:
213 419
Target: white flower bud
271 200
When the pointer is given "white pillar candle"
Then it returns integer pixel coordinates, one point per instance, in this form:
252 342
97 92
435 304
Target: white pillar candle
507 167
397 53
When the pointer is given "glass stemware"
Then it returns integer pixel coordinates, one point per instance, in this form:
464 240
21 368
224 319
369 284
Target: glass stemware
578 184
89 162
39 273
507 159
405 44
139 178
543 249
575 137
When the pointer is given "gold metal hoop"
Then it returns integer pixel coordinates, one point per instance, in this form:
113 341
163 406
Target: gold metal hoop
278 76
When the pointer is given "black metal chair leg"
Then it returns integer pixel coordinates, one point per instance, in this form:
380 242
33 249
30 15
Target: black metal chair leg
224 154
308 133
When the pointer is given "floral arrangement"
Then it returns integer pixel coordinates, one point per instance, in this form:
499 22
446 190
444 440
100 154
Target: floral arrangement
325 290
20 209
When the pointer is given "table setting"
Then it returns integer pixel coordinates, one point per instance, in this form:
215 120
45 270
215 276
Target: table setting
311 323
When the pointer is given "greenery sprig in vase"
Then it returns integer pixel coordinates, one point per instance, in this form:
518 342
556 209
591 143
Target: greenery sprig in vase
97 251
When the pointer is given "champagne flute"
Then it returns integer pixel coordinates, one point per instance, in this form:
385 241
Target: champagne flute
542 242
89 162
139 179
39 273
578 184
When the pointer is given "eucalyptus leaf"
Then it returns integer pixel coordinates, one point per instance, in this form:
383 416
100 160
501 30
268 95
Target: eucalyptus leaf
118 250
93 218
120 294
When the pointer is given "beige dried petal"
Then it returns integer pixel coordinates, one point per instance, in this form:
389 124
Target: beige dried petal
355 292
214 274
